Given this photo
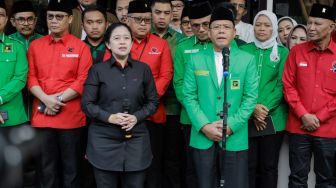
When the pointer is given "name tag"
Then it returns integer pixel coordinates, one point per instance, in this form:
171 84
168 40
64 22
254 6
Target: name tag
70 55
303 64
201 73
192 51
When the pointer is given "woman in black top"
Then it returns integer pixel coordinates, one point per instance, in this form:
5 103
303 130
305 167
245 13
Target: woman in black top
119 95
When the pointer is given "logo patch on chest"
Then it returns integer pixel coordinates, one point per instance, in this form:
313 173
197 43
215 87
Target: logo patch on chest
154 50
333 67
235 84
303 64
7 48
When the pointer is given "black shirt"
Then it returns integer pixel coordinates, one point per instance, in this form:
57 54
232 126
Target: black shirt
105 90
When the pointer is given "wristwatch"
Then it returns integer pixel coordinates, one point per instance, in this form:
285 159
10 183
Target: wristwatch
59 98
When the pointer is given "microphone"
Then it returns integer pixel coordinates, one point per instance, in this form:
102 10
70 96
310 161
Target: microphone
226 61
126 109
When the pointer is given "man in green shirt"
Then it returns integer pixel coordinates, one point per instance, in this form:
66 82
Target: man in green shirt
94 24
24 20
173 140
199 16
204 97
14 68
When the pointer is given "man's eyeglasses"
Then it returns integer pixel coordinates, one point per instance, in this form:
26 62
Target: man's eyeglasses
139 20
178 6
59 17
219 27
239 6
22 20
185 23
196 26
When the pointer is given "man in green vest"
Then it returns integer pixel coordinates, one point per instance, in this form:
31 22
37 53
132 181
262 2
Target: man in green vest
204 97
173 140
94 24
199 16
24 20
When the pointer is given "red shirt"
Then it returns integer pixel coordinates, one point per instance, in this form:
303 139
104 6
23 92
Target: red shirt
56 66
155 52
309 82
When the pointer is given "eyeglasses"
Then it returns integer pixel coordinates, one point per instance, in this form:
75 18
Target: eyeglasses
239 6
22 20
178 6
196 26
219 27
139 20
59 17
185 23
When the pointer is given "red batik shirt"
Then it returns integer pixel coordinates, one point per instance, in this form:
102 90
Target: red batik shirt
56 66
309 82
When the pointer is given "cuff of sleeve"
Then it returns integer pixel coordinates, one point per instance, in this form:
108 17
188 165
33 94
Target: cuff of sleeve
139 116
1 100
77 88
200 124
233 126
322 116
300 111
104 116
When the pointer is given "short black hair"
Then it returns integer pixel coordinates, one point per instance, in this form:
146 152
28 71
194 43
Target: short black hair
93 8
161 1
112 27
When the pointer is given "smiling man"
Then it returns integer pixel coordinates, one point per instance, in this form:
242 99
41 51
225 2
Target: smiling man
309 88
204 97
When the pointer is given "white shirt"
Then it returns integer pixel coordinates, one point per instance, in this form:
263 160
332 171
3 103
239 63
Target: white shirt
219 66
245 31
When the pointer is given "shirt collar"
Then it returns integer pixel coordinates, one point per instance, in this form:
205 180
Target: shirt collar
143 40
197 41
88 43
2 38
63 40
113 62
331 47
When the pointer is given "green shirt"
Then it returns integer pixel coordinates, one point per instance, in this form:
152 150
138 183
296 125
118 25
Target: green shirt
204 97
14 68
172 105
97 52
184 49
24 41
270 92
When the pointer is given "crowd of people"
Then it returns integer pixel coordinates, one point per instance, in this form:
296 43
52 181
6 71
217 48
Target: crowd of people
135 99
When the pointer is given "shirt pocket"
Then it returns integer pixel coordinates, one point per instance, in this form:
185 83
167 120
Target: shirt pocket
330 83
7 64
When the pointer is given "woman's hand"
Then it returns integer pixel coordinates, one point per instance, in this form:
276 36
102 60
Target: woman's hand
117 119
129 122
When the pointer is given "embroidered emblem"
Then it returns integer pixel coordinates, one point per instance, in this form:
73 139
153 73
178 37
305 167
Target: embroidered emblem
333 67
323 10
8 48
70 55
154 50
201 73
235 84
70 49
303 64
191 51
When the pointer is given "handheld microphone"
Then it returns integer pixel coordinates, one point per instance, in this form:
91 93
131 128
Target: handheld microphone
126 109
226 61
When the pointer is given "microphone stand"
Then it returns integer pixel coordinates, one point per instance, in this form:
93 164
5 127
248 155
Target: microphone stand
224 114
126 109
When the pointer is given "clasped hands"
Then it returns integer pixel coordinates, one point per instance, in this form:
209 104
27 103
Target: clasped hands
53 106
214 131
126 121
260 113
310 122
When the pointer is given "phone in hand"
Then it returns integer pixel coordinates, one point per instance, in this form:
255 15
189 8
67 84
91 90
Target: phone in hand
41 107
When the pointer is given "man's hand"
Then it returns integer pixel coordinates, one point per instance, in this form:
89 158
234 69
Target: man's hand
260 113
260 125
310 122
53 106
213 130
1 120
129 122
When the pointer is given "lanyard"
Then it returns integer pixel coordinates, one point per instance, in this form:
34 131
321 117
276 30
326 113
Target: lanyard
142 51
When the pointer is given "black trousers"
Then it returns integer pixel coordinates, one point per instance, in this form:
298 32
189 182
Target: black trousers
109 179
173 153
301 148
59 158
155 171
190 180
263 160
208 171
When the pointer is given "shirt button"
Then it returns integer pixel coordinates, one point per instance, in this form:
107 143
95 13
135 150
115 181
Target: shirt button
123 75
124 87
218 97
316 85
